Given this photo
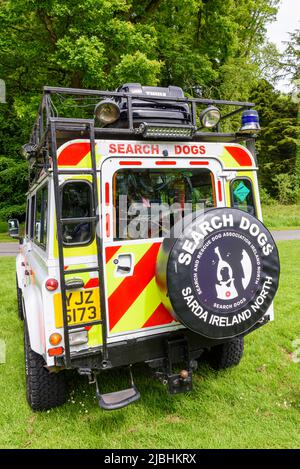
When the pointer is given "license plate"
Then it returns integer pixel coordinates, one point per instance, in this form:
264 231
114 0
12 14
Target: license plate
82 307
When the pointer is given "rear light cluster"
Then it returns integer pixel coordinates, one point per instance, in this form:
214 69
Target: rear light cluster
56 351
51 284
55 338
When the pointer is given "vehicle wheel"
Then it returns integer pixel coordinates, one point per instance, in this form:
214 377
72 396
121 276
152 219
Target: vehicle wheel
226 355
44 390
20 301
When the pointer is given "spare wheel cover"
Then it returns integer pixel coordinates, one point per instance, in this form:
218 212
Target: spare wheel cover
220 277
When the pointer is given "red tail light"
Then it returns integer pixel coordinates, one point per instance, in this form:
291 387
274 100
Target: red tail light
51 284
54 352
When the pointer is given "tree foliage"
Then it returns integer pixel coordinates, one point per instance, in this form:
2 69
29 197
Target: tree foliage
277 142
212 44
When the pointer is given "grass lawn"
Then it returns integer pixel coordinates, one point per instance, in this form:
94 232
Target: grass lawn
5 238
255 405
281 217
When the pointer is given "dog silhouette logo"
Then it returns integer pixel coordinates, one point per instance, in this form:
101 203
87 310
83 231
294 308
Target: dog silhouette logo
226 288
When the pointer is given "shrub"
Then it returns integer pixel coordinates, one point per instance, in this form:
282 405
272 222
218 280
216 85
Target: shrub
286 187
3 227
265 197
13 211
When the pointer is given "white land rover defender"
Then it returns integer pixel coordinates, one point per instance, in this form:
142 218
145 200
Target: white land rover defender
143 239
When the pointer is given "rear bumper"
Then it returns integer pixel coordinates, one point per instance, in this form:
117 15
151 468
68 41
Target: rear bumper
143 349
138 350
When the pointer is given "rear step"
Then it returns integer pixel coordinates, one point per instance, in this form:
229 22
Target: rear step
118 399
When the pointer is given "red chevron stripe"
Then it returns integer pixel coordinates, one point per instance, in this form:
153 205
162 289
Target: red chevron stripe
92 283
130 289
73 154
159 317
240 155
110 251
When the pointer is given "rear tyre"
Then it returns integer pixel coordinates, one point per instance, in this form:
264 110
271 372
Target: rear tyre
20 301
44 390
226 355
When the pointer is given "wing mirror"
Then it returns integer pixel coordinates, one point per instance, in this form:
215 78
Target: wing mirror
13 228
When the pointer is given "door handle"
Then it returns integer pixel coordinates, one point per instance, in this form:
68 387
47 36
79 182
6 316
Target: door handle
124 265
123 268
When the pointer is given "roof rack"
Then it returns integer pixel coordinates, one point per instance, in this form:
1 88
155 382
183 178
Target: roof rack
70 127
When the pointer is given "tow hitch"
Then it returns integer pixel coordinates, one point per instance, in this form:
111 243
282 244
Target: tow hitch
114 400
177 352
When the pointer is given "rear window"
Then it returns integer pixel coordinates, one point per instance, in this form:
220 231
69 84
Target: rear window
149 202
77 204
242 196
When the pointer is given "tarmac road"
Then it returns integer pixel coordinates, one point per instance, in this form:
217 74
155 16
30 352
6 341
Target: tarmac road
12 249
9 249
286 235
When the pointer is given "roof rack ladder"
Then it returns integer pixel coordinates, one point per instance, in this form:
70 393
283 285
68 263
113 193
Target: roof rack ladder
96 218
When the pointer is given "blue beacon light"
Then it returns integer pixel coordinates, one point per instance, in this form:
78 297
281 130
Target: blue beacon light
250 122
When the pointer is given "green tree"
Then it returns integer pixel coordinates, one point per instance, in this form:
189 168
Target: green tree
277 141
100 44
292 67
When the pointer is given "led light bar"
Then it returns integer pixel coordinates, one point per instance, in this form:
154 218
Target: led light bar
169 131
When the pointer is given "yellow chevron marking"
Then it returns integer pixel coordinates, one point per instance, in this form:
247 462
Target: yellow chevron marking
99 156
85 276
138 251
80 251
95 336
141 310
248 174
228 160
85 162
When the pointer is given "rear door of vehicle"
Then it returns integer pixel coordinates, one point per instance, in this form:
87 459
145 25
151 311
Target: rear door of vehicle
132 190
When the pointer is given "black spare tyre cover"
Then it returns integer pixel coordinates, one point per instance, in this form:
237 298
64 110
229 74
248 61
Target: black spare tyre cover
220 276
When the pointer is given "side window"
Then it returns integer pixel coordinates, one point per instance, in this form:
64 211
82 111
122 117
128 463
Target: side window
41 215
242 196
77 204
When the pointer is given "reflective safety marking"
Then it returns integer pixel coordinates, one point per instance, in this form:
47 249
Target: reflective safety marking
165 163
107 193
110 251
107 225
240 155
160 317
130 163
92 283
199 163
138 251
73 154
220 194
95 335
140 310
131 287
